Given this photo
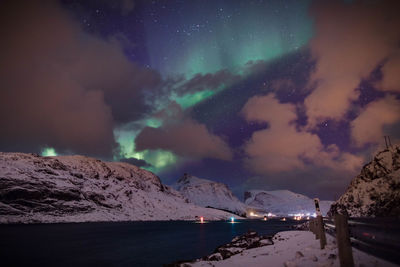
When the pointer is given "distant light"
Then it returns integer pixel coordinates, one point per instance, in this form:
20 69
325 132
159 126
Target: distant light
298 218
251 213
202 219
232 219
265 218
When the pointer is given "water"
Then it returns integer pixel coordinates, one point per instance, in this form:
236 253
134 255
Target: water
120 243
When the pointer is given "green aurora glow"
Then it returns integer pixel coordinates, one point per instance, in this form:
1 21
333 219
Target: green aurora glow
229 37
49 152
159 159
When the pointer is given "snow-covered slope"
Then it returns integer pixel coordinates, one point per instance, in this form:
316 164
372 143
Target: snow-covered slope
282 202
375 192
78 188
290 248
208 193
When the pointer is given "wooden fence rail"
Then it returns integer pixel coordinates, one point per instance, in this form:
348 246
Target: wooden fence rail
342 237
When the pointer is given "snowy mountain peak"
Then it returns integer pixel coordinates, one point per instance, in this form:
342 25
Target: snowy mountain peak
207 193
282 202
189 180
376 190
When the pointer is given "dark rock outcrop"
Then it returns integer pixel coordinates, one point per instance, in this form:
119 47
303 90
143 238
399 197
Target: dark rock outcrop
238 244
375 192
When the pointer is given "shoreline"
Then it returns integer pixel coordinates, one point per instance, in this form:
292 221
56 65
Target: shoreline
292 249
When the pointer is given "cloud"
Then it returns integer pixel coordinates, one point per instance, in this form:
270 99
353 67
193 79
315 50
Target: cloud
282 147
390 72
209 81
136 162
368 127
321 182
62 87
350 41
183 136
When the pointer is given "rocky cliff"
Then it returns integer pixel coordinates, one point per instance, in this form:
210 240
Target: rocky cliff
375 192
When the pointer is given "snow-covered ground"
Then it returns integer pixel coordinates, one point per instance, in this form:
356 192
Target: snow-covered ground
282 202
207 193
294 248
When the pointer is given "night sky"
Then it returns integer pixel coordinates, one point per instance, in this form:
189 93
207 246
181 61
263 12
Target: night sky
256 94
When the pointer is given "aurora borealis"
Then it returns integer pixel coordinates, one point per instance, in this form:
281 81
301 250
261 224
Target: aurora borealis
256 94
200 39
205 38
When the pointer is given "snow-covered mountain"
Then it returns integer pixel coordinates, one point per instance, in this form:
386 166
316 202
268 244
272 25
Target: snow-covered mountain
78 188
375 192
208 193
282 202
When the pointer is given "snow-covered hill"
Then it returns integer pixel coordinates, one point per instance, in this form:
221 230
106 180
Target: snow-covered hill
78 188
375 192
282 202
208 193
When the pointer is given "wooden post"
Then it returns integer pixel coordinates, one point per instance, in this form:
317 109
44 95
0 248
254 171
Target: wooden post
316 229
343 241
321 231
312 226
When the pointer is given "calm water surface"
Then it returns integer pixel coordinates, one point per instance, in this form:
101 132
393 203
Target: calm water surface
120 243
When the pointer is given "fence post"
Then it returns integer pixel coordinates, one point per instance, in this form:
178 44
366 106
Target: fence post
316 226
312 226
321 231
343 241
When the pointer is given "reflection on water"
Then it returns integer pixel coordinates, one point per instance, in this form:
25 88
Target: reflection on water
121 244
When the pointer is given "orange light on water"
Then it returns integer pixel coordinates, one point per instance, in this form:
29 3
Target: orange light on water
202 219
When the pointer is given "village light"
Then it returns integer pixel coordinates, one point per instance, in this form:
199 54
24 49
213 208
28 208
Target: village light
232 219
201 219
